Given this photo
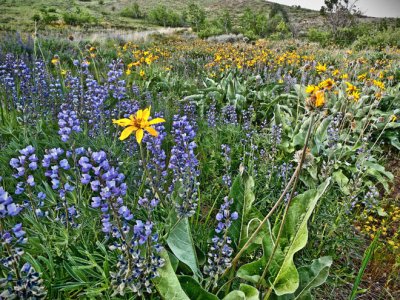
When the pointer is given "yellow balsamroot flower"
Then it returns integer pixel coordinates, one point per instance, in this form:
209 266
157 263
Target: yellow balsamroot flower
345 76
128 72
319 98
321 68
355 95
351 88
362 76
393 118
138 123
142 73
379 84
327 84
63 72
310 89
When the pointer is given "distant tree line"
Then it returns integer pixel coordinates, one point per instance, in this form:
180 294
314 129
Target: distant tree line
252 23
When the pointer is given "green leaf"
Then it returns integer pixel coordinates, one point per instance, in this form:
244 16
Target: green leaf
294 238
300 138
194 290
342 181
243 198
282 274
180 242
167 284
313 276
245 292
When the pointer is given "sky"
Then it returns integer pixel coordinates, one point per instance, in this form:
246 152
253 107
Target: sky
373 8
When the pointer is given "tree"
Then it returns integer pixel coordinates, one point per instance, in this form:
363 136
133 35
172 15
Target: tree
339 14
226 21
196 16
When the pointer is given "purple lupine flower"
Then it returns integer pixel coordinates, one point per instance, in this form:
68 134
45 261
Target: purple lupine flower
219 256
68 122
184 166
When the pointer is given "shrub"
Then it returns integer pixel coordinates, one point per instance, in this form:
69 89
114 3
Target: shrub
133 11
319 36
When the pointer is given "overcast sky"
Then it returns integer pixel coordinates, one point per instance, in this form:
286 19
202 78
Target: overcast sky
374 8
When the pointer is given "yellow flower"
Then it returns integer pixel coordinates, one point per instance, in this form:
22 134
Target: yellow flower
142 73
128 72
320 68
138 123
55 60
393 118
362 76
328 84
345 76
335 72
63 72
319 98
351 88
355 95
379 84
312 89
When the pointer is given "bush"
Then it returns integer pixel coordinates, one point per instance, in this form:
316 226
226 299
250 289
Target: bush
133 11
78 18
378 39
319 36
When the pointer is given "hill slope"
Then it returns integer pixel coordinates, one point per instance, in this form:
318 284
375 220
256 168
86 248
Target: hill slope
18 14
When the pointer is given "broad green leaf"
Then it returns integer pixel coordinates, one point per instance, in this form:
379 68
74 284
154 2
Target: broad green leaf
300 138
313 276
294 238
194 290
167 284
243 198
282 274
245 292
342 181
181 244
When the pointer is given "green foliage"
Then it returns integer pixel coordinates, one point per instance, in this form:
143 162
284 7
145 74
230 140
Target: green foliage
78 18
181 244
168 284
132 11
196 16
160 15
282 275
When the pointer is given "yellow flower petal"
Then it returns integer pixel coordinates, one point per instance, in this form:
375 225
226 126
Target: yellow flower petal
156 121
139 114
152 131
123 122
139 135
146 113
127 132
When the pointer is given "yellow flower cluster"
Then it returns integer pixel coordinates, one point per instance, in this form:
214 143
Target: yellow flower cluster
387 221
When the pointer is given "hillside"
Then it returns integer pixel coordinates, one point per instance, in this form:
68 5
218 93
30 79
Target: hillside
19 14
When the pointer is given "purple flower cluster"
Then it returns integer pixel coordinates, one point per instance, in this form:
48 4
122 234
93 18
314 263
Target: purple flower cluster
24 167
184 166
226 152
67 121
230 115
219 256
138 266
7 205
157 162
116 85
212 115
108 187
29 285
333 130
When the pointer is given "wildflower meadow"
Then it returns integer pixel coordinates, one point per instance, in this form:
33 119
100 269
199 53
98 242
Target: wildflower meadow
191 169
